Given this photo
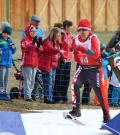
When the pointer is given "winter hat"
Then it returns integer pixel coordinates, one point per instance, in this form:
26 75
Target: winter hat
7 30
4 24
84 24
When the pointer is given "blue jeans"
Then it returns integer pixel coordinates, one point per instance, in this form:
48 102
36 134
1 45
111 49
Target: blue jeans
4 77
48 83
115 96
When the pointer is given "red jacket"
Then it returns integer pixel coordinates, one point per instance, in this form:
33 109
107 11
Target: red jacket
67 46
29 51
91 43
48 59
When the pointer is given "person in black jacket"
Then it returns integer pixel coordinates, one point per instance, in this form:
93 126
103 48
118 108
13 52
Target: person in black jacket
113 41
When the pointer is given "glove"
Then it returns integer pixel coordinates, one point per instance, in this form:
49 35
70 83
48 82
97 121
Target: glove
39 41
12 45
35 39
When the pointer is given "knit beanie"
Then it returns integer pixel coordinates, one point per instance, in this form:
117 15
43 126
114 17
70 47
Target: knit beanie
84 24
7 30
4 24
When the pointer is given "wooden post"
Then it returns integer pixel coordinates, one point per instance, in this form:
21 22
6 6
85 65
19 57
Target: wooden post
106 18
63 9
78 10
8 10
119 14
92 13
35 4
49 13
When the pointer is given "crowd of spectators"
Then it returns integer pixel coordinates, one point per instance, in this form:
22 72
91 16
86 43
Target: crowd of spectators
53 55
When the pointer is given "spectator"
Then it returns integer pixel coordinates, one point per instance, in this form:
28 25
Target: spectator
63 71
114 85
113 41
6 24
35 21
58 25
87 54
56 94
48 62
30 51
112 46
37 92
7 49
115 95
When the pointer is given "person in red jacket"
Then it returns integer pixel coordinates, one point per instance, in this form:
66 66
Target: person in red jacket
48 62
87 54
63 70
30 51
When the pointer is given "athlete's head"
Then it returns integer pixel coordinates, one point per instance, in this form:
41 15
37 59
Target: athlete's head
84 28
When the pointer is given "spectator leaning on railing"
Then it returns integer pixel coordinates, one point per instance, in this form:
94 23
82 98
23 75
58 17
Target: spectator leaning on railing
7 49
48 62
30 50
64 67
35 21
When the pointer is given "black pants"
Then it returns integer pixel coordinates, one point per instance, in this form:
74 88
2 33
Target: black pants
86 94
93 76
86 91
62 81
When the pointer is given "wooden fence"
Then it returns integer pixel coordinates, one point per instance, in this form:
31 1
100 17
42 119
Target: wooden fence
104 14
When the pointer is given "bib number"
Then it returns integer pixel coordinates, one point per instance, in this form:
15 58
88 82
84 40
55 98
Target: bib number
84 60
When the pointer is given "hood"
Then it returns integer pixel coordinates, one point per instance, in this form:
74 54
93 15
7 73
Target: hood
27 31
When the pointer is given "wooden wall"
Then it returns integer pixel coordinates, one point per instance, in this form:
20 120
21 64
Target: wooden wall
104 14
2 10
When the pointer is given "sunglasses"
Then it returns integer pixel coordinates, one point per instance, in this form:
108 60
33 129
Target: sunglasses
82 30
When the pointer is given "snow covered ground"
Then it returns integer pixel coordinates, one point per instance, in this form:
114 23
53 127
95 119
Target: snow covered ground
51 122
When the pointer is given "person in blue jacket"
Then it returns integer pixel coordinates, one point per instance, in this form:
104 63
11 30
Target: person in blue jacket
7 49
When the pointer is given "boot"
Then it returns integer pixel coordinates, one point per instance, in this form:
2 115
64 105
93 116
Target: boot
75 112
106 118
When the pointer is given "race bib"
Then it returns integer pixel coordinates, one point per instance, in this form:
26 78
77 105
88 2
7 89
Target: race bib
84 59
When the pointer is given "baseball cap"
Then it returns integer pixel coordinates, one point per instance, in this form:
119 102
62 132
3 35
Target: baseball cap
35 18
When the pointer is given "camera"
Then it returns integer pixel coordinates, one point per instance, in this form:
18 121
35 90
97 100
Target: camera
39 41
35 39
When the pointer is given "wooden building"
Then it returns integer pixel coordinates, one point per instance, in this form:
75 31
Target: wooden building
104 14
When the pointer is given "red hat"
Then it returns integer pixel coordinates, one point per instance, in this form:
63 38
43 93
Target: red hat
84 24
